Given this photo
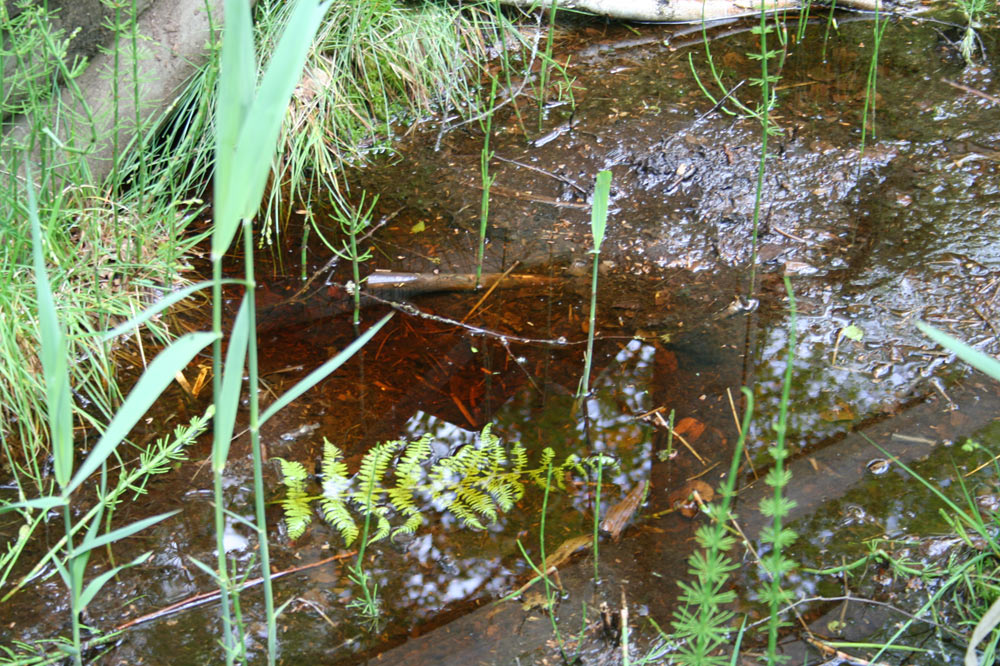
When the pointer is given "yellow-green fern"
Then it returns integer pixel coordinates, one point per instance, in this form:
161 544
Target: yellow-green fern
475 484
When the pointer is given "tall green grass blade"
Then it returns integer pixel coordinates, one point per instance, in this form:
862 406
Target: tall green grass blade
147 390
322 371
97 583
237 80
240 185
53 353
599 211
160 306
41 503
598 224
90 543
973 357
971 519
232 381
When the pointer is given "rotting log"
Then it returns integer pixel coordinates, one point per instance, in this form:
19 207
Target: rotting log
681 11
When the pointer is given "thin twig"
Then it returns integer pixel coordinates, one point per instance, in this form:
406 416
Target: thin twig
414 311
544 172
676 434
208 597
972 91
490 291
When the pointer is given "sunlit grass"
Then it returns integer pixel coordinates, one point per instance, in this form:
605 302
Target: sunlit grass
377 68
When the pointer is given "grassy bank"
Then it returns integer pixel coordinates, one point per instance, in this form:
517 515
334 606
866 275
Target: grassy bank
80 257
113 247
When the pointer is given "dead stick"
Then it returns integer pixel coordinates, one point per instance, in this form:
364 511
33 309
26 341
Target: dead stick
690 448
208 597
490 291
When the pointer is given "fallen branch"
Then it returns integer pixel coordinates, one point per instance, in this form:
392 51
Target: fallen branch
208 597
681 11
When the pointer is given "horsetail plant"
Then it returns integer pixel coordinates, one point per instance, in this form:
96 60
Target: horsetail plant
598 224
702 624
352 221
776 564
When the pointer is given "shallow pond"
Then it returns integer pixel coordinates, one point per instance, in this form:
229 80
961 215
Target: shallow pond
873 236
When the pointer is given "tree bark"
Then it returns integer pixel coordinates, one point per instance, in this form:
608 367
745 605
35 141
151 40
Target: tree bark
681 11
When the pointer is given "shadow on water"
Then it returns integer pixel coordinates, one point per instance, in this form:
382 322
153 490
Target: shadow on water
874 239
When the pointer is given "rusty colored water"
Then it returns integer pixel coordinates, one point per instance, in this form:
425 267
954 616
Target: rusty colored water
876 238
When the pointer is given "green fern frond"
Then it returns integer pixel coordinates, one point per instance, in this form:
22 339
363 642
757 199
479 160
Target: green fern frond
503 492
410 464
296 504
465 515
409 473
298 516
335 512
520 457
333 466
538 474
374 466
383 528
574 463
477 500
475 484
410 526
293 474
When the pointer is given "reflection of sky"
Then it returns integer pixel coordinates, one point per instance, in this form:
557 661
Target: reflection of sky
453 563
443 572
869 375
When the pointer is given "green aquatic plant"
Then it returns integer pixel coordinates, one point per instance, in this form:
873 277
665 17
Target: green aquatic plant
367 606
598 225
703 623
353 221
81 537
486 124
776 564
475 484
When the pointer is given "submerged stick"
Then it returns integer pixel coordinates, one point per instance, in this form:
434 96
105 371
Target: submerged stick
275 312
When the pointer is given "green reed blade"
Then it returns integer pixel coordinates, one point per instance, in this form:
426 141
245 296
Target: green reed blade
973 357
322 371
599 211
232 382
94 586
245 163
147 390
90 543
53 354
160 306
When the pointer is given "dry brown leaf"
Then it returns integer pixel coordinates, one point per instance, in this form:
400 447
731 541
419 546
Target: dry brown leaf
689 427
683 499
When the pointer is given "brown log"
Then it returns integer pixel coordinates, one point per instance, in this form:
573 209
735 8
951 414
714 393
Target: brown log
681 11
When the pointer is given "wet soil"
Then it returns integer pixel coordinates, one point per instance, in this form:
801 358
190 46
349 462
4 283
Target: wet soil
874 235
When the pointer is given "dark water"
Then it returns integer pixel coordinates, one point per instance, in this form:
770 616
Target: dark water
874 238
